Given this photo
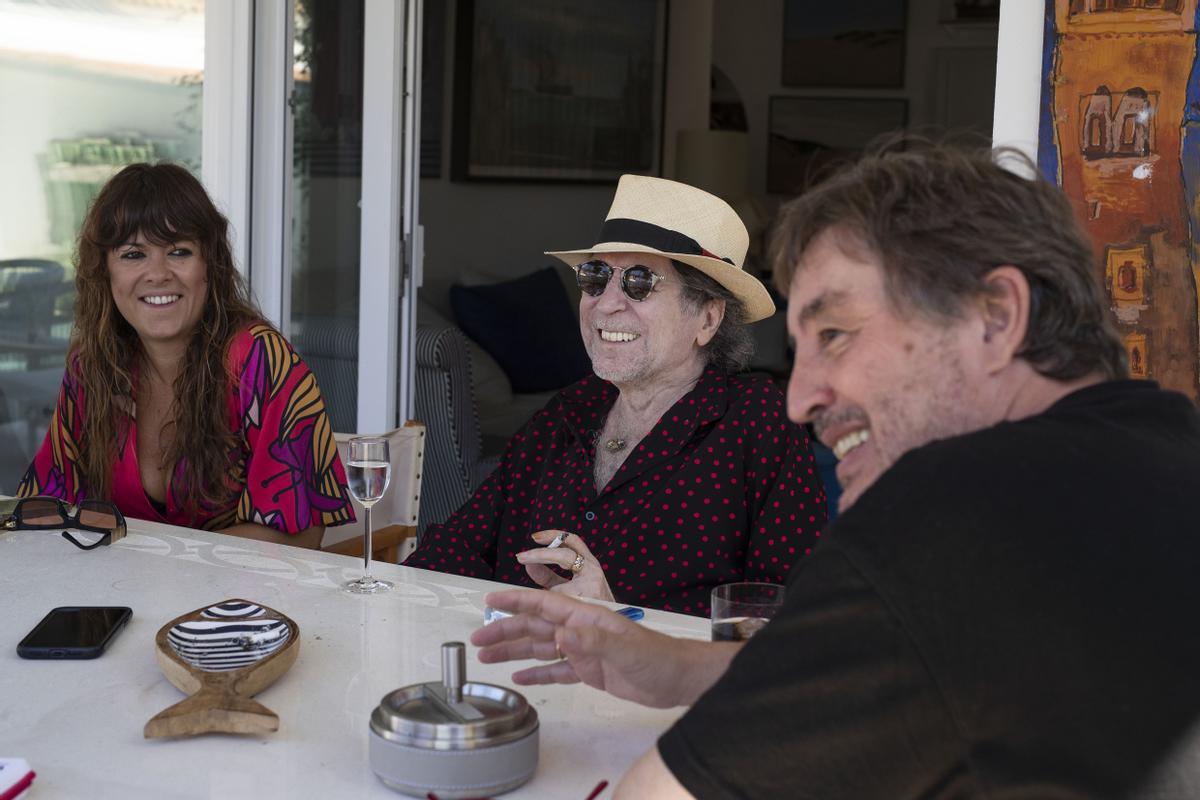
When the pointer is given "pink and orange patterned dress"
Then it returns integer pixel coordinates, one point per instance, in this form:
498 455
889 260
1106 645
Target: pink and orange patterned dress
286 461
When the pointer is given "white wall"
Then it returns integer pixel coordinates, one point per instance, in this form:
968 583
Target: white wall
690 39
501 229
44 102
747 47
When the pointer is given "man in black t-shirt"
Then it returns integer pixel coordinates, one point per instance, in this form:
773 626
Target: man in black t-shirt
1002 607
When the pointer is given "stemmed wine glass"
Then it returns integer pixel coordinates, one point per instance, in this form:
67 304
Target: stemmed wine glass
369 471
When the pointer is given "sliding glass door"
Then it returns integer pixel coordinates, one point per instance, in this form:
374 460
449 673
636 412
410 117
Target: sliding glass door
334 197
326 186
86 89
297 96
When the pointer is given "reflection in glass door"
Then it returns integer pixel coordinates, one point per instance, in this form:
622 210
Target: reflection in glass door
94 86
327 107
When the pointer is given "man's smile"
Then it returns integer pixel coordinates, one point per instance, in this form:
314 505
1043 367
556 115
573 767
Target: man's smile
618 336
842 447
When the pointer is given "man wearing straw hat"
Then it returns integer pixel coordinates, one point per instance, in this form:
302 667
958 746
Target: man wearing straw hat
1004 605
665 473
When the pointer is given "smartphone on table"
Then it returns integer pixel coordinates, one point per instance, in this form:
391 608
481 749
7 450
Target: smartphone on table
74 632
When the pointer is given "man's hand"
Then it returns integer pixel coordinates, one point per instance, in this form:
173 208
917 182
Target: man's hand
588 580
599 648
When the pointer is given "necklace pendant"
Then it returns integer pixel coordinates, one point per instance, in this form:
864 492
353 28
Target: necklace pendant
614 445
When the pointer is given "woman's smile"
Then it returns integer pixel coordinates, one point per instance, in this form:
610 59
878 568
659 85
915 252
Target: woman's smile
160 289
161 299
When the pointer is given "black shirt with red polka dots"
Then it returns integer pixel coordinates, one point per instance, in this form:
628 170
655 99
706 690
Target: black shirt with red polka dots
724 488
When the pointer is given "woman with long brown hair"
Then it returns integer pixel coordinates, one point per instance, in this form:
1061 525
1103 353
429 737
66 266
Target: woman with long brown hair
179 402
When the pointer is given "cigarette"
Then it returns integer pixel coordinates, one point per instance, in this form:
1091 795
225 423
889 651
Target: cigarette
558 540
491 615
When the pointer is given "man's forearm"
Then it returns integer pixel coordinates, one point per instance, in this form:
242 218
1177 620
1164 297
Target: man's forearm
703 663
649 777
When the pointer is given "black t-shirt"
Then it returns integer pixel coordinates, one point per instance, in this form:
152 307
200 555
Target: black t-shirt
1011 613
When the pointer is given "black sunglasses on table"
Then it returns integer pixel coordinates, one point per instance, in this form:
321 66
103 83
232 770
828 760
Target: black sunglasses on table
46 513
637 282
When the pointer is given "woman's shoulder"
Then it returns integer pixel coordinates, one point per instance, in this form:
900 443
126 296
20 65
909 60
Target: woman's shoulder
256 333
264 332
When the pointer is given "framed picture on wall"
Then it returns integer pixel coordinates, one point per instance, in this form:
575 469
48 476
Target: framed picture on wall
970 11
848 43
559 90
433 58
808 134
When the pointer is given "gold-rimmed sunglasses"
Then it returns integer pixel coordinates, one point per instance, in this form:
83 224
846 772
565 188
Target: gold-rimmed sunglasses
46 513
637 281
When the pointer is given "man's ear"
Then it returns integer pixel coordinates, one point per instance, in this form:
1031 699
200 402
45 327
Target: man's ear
710 316
1005 316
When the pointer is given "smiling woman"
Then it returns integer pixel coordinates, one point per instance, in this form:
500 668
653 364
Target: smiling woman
179 402
158 288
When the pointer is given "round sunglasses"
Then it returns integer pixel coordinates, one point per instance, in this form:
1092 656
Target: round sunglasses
637 282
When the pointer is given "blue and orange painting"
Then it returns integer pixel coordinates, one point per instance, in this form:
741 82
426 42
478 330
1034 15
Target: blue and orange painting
1120 132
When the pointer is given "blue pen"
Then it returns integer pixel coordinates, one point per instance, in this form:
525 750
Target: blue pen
490 614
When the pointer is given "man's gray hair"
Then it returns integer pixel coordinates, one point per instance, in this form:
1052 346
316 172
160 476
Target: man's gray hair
939 218
732 346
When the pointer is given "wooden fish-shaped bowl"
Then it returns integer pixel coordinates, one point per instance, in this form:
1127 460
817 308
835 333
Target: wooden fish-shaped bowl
222 655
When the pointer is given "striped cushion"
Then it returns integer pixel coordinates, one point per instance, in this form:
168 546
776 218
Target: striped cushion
329 345
445 402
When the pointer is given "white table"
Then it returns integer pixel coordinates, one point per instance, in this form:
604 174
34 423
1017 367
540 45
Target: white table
79 723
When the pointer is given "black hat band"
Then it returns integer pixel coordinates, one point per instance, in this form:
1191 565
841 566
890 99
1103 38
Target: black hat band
636 231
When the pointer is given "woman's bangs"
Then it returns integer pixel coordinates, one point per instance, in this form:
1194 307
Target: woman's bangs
161 216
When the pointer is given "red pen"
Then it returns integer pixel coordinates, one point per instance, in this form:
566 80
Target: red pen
15 777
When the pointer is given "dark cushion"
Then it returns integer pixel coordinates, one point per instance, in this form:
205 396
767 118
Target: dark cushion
528 326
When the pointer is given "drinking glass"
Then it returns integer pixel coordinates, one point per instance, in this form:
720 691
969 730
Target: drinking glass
369 471
739 610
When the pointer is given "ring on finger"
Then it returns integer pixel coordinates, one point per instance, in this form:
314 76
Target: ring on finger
577 564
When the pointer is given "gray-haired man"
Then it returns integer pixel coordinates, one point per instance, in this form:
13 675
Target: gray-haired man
999 610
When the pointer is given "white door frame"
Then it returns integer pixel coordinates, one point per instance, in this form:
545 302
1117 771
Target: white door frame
270 224
246 140
414 232
226 116
380 236
388 244
1019 75
247 167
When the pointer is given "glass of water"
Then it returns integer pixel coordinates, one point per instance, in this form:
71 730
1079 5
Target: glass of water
739 610
369 471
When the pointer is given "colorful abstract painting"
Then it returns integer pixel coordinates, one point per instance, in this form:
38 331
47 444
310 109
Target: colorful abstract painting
1120 132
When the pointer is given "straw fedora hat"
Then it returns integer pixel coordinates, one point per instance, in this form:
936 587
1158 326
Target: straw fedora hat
681 222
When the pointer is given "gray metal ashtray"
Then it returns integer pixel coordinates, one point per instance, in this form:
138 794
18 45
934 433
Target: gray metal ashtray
454 738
